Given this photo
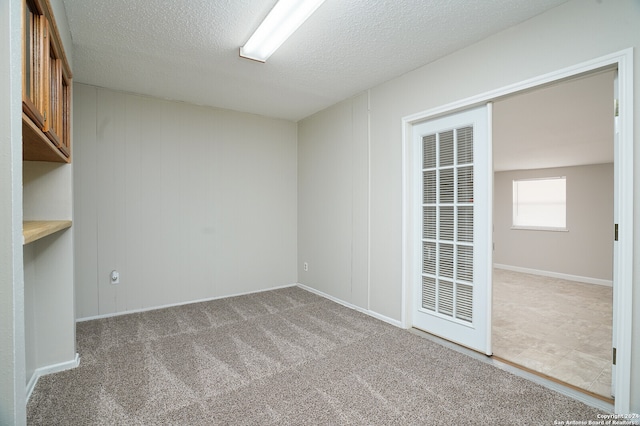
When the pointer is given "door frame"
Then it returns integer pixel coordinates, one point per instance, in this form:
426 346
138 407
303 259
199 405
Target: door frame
623 264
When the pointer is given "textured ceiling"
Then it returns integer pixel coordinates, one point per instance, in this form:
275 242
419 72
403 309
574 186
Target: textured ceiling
188 50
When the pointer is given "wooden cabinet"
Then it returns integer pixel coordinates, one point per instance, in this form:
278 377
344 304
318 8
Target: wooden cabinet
46 88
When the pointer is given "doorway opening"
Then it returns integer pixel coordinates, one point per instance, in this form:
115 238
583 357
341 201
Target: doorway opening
623 206
552 286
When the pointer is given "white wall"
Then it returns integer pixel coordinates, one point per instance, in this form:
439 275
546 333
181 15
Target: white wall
186 202
49 303
567 35
333 167
12 338
586 250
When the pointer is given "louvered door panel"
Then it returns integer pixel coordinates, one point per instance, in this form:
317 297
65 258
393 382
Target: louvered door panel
447 216
465 224
464 302
447 224
429 293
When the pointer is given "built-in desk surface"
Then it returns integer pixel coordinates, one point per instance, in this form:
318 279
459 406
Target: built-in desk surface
33 230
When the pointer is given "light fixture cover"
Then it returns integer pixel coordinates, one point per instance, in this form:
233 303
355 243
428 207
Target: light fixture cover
285 17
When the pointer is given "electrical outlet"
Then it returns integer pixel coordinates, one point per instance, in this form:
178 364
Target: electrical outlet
115 277
305 266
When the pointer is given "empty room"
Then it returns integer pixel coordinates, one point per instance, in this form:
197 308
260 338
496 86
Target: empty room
198 228
553 235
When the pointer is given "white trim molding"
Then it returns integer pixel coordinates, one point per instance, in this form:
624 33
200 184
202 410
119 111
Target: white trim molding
551 274
172 305
623 266
352 306
50 369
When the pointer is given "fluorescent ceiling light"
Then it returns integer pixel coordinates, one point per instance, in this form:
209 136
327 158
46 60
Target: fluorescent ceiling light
285 17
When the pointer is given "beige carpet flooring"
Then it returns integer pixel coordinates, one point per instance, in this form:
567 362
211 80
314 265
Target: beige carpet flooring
556 327
285 357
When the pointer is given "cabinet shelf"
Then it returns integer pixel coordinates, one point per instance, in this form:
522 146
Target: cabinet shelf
36 146
33 230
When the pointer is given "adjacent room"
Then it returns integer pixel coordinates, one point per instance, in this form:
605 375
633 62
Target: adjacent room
554 232
197 229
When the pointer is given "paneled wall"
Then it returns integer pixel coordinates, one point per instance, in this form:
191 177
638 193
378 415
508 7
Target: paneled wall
585 250
185 202
333 171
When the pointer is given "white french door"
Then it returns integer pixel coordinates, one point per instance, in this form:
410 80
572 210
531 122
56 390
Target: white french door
452 212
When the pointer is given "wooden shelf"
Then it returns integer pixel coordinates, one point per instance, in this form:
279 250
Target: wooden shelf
36 146
33 230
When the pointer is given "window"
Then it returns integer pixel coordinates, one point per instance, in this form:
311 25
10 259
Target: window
540 203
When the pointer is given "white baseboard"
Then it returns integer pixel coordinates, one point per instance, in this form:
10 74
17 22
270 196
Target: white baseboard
352 306
587 280
171 305
49 369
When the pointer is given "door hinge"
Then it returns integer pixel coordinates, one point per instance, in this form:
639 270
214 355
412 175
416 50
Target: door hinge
614 356
616 108
615 232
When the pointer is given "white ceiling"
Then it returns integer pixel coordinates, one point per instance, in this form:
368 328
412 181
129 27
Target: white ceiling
188 50
566 124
